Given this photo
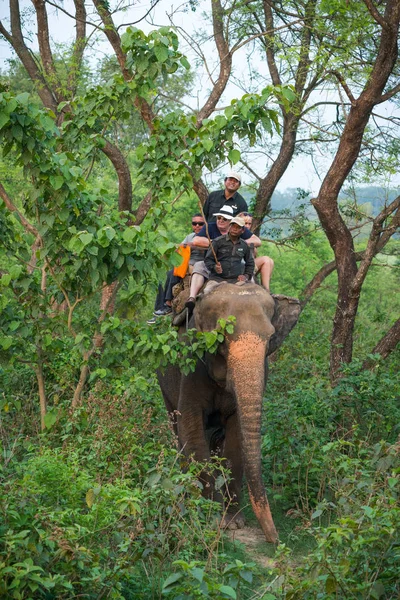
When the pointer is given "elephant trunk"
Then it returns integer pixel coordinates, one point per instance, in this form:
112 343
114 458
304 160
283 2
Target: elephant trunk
246 375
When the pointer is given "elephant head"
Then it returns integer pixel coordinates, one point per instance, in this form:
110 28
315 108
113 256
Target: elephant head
240 366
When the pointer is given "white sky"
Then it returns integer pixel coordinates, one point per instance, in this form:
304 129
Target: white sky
301 172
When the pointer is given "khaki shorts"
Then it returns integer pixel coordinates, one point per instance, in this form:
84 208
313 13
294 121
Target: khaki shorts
201 269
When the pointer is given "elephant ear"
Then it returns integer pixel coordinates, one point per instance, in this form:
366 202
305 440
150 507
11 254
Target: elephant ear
286 315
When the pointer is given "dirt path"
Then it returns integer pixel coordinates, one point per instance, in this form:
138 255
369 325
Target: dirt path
254 542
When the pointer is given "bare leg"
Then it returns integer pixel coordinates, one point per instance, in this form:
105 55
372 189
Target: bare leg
196 284
265 266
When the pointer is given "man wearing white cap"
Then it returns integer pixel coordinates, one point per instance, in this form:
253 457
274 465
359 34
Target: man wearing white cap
202 240
229 196
230 258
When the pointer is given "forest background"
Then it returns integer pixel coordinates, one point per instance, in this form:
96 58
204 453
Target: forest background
102 165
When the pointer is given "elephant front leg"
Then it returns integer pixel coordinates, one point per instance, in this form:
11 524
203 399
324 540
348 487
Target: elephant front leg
233 518
192 436
194 397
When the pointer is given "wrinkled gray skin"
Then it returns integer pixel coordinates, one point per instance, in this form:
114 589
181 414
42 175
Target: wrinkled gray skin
217 408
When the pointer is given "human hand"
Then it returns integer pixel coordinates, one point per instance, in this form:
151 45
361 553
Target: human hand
218 268
242 278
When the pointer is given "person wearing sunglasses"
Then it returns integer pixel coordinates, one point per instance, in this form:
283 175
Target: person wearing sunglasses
229 196
162 306
202 240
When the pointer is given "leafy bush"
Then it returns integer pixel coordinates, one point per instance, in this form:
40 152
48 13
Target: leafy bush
197 580
364 405
106 513
358 555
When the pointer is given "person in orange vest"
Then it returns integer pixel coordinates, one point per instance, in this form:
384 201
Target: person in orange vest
162 305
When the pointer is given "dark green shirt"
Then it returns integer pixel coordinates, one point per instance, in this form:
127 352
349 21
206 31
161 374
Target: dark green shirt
231 257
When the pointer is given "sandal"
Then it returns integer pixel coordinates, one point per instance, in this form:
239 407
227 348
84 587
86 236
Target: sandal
190 304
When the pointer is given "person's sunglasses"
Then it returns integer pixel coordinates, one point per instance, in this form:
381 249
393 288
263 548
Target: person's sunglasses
222 219
200 223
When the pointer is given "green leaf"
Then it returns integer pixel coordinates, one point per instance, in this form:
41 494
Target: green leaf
185 63
330 585
153 479
23 98
167 484
110 232
368 511
129 234
5 279
86 238
207 144
6 342
90 497
17 132
56 181
317 513
378 590
171 580
161 53
234 156
49 419
246 575
226 589
4 118
197 573
288 94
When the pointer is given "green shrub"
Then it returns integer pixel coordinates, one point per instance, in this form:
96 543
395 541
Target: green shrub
357 556
106 513
364 405
198 580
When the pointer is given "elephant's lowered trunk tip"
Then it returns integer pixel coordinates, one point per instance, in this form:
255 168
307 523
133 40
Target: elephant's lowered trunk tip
263 513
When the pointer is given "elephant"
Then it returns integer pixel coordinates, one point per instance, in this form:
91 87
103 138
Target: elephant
217 407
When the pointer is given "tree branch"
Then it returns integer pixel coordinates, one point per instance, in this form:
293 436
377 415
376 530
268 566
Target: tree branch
12 208
124 176
390 94
113 37
386 345
383 236
16 40
225 58
374 239
375 14
269 23
79 45
344 85
43 40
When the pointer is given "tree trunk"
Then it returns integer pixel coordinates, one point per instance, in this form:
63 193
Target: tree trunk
326 205
268 184
41 390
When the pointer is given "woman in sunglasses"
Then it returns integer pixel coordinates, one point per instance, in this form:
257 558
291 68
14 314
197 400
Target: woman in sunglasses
162 306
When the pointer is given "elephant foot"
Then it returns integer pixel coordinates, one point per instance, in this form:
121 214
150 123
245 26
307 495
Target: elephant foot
232 522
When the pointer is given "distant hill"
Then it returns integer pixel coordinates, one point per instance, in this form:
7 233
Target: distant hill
372 198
